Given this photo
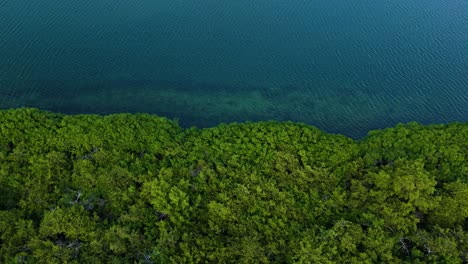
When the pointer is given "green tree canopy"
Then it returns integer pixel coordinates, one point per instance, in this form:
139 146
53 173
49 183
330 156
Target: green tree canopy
137 188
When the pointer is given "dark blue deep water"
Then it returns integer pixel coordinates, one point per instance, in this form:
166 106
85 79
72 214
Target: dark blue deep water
343 66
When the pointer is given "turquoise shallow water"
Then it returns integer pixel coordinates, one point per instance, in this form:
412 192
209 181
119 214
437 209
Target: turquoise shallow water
343 66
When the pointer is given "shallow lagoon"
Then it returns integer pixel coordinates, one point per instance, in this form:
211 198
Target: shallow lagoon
343 66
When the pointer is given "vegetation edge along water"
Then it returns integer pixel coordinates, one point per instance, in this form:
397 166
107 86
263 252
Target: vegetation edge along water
137 188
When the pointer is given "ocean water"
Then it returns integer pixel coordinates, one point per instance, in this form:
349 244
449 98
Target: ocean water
343 66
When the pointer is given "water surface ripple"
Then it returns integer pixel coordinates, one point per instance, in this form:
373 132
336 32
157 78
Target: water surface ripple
343 66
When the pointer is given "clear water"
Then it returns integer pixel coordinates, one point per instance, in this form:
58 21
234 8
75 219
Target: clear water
343 66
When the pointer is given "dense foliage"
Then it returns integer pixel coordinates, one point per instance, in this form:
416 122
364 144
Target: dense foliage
139 189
